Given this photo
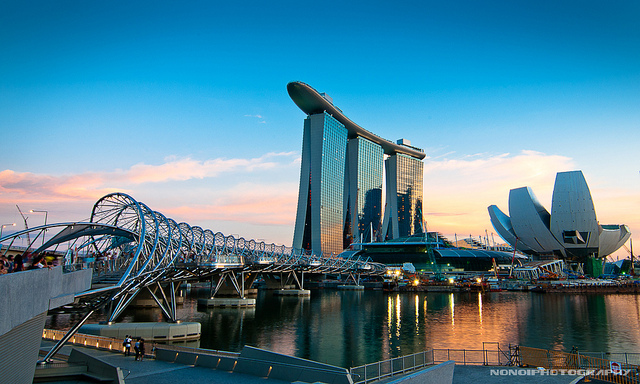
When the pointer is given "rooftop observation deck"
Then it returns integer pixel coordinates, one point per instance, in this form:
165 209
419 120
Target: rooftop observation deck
312 102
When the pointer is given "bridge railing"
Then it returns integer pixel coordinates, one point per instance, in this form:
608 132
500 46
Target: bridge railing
100 342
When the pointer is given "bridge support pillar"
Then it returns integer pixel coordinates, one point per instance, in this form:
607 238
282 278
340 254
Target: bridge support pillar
166 304
292 292
227 302
231 283
355 277
285 280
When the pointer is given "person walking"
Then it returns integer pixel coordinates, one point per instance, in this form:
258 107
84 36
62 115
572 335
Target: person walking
142 350
127 345
136 347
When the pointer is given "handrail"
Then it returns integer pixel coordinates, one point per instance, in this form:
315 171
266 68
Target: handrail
390 367
179 348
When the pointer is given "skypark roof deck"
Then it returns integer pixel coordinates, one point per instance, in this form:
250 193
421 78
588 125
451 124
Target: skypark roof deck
311 102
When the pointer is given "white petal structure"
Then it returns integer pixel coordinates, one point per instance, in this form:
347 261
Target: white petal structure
573 218
502 224
530 221
571 230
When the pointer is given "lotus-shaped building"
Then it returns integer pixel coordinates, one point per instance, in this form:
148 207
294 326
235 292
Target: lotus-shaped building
571 231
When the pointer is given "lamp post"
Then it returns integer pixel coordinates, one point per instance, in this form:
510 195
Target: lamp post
6 225
46 213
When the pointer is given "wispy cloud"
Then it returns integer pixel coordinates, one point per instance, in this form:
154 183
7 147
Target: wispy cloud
257 117
164 181
187 168
93 184
26 185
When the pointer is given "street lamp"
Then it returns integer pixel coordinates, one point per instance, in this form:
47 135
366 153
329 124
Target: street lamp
46 213
6 225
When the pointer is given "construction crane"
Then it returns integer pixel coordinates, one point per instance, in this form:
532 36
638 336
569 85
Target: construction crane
26 226
432 257
435 266
632 270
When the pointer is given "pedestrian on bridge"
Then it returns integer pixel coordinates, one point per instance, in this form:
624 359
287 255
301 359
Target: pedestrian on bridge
127 345
142 350
136 347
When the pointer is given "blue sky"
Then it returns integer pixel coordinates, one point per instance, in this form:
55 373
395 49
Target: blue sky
184 105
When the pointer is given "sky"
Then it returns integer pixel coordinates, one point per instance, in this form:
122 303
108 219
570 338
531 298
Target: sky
183 105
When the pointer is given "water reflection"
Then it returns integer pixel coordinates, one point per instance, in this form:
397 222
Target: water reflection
417 305
480 307
452 304
353 328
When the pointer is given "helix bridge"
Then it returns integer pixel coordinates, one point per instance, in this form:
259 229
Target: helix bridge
146 250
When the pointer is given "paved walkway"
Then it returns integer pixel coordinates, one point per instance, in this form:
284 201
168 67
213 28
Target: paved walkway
152 371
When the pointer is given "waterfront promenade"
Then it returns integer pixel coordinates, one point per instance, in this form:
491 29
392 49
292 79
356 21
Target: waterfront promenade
151 371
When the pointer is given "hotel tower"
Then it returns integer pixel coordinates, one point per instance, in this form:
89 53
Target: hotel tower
343 197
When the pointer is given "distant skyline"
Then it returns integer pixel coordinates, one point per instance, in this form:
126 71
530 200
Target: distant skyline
184 105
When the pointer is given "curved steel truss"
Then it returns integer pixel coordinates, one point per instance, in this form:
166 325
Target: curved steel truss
160 243
145 248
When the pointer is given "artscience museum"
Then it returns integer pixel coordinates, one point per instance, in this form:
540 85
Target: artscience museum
571 231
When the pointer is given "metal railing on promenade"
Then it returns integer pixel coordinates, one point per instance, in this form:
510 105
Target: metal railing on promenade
626 357
593 367
472 356
490 354
215 352
391 367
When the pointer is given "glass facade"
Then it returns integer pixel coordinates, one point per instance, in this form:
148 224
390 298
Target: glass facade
409 174
403 214
332 170
319 222
366 164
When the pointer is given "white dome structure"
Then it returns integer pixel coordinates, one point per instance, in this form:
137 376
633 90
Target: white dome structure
570 231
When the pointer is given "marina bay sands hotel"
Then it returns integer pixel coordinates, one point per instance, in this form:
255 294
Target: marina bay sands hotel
343 173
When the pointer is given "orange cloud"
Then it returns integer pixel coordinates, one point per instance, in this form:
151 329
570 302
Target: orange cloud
246 202
162 187
187 168
93 185
26 185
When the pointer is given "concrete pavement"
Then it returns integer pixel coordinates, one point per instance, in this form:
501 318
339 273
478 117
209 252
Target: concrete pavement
151 371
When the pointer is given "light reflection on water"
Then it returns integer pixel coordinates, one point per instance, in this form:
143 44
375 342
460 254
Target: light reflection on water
352 328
